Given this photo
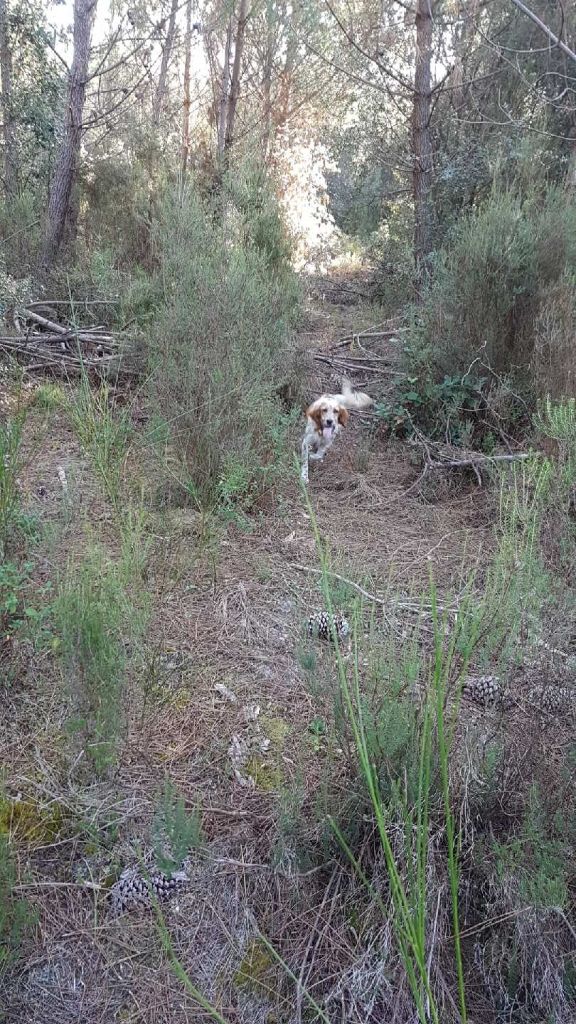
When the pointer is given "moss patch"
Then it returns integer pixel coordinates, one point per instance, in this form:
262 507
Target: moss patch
256 972
276 730
267 777
30 822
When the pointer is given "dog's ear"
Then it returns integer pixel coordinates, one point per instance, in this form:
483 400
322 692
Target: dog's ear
314 412
343 417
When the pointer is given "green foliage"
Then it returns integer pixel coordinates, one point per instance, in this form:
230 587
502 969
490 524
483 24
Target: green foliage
49 397
142 298
221 348
535 858
10 445
92 620
24 609
490 282
553 363
261 226
20 220
390 251
176 832
12 580
103 430
16 915
117 191
448 410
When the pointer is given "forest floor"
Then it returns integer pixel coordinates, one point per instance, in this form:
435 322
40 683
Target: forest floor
226 698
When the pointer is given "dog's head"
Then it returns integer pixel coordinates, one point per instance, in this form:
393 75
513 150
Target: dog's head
328 416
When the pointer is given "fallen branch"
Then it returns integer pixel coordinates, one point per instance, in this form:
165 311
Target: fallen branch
376 331
340 364
92 334
37 319
475 460
385 602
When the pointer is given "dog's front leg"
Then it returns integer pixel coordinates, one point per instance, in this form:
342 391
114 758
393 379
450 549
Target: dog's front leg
305 457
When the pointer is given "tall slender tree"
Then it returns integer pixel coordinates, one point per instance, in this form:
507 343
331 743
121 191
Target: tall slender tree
186 101
422 141
167 48
235 80
63 178
10 167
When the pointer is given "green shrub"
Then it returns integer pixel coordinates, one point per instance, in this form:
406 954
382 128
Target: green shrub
15 610
491 284
20 228
221 348
446 410
553 362
390 250
176 831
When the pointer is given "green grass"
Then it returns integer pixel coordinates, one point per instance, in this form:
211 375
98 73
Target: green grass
10 463
92 621
104 432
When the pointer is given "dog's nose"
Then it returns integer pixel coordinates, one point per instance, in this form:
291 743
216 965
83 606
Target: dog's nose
329 423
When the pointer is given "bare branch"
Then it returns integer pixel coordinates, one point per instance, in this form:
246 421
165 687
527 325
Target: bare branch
544 28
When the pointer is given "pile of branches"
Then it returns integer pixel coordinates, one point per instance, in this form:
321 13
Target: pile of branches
46 335
368 354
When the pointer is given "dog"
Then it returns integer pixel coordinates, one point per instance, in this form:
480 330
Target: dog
325 418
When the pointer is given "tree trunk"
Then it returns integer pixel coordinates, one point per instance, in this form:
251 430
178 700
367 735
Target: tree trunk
186 103
267 87
10 174
422 143
235 81
223 98
67 158
160 94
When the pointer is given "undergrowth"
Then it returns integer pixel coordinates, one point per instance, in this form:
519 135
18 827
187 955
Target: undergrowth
93 619
16 915
221 350
10 465
493 333
103 430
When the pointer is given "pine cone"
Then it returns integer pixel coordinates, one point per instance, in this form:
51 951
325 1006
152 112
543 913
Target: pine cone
322 625
484 690
133 890
551 699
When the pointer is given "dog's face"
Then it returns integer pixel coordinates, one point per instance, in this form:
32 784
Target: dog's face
328 416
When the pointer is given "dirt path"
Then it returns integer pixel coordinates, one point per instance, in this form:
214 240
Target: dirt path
222 698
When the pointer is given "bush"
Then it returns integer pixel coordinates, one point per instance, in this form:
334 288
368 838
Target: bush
221 349
501 269
553 362
20 229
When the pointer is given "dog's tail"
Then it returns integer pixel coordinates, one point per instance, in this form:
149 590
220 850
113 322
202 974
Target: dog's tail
354 399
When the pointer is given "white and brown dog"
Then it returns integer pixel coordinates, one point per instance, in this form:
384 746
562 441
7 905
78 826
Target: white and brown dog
325 418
